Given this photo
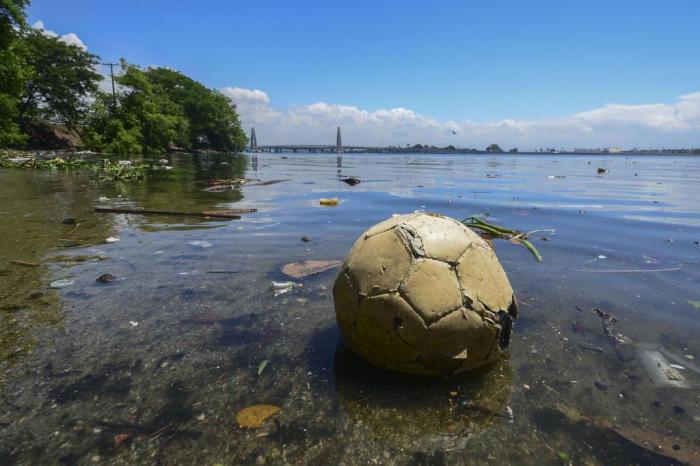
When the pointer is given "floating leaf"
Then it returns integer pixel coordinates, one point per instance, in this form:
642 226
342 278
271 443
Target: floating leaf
253 416
695 304
262 366
304 269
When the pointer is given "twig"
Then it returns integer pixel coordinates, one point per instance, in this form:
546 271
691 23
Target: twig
25 264
231 213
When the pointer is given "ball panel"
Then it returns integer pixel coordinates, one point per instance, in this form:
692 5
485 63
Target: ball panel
481 276
443 238
432 289
379 320
380 263
347 304
386 225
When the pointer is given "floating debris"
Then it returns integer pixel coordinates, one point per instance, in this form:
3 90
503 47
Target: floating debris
281 287
329 202
229 213
601 170
351 180
111 239
494 231
300 270
106 278
262 366
306 239
200 243
695 304
61 283
253 416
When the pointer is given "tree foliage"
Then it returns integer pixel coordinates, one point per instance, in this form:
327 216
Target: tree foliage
44 82
61 80
13 70
158 109
494 148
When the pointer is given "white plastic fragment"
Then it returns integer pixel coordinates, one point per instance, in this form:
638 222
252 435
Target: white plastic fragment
201 244
61 283
281 287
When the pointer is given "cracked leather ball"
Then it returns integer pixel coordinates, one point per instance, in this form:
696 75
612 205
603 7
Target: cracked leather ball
424 294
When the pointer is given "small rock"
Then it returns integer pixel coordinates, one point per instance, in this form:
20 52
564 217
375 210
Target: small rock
306 239
68 221
106 278
678 410
600 386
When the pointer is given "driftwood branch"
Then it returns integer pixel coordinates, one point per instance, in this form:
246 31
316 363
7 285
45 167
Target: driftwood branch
230 214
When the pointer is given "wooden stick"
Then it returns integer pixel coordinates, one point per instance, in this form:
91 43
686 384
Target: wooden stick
24 263
232 213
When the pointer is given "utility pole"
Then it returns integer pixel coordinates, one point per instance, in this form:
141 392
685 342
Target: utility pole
114 93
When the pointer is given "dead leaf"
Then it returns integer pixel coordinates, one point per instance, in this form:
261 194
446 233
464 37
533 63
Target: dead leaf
304 269
253 416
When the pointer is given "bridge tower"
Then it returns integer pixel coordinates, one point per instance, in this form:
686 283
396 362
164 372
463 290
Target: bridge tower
253 141
338 142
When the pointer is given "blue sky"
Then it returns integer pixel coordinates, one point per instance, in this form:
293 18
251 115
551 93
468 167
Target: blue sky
460 61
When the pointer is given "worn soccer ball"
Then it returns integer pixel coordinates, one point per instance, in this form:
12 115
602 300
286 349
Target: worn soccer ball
424 294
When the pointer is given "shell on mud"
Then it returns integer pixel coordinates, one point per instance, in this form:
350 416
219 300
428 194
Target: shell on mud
424 294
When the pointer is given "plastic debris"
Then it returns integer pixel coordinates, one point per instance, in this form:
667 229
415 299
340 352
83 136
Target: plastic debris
111 239
201 244
61 283
329 202
281 287
133 323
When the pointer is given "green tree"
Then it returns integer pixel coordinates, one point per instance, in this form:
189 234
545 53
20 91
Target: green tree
158 109
62 79
13 70
212 117
514 150
494 148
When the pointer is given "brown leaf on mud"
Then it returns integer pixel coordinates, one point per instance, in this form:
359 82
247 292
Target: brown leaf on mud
304 269
253 416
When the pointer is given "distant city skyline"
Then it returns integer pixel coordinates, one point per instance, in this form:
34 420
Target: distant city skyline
521 74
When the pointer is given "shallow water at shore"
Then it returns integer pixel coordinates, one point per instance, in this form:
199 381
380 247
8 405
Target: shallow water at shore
153 366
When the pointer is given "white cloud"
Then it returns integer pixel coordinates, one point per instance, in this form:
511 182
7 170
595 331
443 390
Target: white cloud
71 38
675 124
